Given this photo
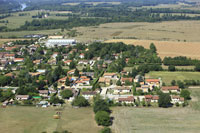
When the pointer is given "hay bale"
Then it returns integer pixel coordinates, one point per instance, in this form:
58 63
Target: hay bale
56 117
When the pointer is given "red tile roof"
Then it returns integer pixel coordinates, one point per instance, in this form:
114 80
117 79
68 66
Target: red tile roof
170 88
128 99
152 80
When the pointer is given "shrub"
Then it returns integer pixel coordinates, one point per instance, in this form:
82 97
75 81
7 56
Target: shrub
103 118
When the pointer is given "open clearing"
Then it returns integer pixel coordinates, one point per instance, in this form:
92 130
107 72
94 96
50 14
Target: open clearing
155 120
37 120
167 77
167 48
164 31
159 120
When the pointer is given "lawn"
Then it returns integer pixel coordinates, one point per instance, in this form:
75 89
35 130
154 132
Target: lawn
36 120
167 77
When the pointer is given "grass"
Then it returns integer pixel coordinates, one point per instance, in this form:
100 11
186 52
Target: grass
151 120
159 120
36 120
167 77
2 41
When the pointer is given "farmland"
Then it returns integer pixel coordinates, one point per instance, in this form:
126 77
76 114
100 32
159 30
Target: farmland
167 77
167 48
36 120
165 120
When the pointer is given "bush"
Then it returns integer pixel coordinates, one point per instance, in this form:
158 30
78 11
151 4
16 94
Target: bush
66 94
171 68
101 105
185 94
80 101
106 130
164 100
103 118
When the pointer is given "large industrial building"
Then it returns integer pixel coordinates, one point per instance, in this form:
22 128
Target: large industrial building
60 42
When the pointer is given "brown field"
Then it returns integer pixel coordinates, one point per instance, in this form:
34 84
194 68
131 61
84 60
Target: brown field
168 48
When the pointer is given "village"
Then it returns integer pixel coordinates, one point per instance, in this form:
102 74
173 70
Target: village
60 72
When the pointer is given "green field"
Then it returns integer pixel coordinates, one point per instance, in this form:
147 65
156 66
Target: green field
159 120
37 120
167 77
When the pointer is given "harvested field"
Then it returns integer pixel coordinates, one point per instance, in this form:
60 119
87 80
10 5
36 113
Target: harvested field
167 48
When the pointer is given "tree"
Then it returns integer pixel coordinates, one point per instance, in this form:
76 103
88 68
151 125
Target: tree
67 82
76 73
72 65
185 94
172 68
197 67
173 82
56 100
100 105
164 100
153 48
66 94
103 118
80 101
106 130
118 83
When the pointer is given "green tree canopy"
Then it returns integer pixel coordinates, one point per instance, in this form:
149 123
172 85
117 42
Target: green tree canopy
80 101
164 100
103 118
66 94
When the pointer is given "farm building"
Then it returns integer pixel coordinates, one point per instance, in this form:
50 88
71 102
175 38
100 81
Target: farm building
60 42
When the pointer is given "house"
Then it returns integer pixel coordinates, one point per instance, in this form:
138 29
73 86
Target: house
18 60
22 97
89 94
138 79
52 62
10 75
124 72
151 98
37 62
84 62
144 88
105 81
9 56
110 75
71 72
43 93
122 89
177 99
35 73
67 62
55 37
82 55
43 104
55 54
155 99
124 80
148 98
10 48
172 89
127 100
153 83
88 74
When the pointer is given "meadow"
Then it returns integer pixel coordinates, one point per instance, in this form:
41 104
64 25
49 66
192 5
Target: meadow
36 120
167 77
159 120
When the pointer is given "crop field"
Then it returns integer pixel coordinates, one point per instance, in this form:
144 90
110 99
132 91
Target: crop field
159 120
167 77
167 48
37 120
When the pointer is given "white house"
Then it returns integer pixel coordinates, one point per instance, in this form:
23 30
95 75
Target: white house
22 97
122 89
110 75
127 100
89 94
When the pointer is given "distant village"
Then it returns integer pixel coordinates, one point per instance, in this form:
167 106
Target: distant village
53 70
